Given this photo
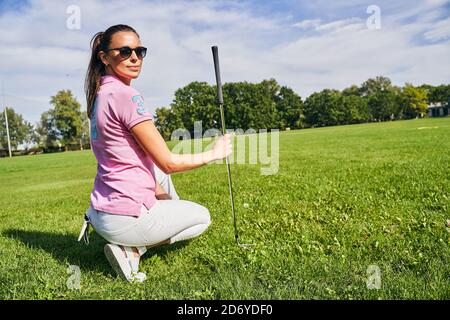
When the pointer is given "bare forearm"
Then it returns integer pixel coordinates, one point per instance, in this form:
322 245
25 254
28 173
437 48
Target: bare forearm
185 162
151 141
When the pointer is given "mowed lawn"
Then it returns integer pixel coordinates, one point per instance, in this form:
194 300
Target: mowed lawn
345 201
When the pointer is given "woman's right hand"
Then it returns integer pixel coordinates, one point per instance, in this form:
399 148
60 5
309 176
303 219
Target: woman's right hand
222 147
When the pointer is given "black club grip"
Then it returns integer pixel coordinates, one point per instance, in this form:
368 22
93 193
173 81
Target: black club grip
215 52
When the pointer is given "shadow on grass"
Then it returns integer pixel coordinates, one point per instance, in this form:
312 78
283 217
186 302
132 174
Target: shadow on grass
67 249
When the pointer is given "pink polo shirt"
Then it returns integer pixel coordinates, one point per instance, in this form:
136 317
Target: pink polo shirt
125 173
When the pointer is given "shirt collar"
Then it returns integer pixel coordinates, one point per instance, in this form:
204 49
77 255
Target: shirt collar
110 78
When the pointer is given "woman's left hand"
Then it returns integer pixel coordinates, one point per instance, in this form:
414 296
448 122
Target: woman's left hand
163 196
160 193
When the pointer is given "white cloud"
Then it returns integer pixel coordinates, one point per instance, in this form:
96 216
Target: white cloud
307 24
439 31
338 25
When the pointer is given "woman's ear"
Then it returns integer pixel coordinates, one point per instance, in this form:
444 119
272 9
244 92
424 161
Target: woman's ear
103 57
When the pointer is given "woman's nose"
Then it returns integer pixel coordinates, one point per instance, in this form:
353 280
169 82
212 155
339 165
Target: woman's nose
133 56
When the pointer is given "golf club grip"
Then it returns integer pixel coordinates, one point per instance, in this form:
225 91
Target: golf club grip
215 52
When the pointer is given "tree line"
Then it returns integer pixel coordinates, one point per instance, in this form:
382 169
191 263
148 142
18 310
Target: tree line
62 127
264 105
268 105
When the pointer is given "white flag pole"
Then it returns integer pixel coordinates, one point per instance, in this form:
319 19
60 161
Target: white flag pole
7 133
6 120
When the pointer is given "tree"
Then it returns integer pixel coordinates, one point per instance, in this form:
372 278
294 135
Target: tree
384 105
194 102
265 104
439 94
289 108
382 98
167 122
240 107
356 109
353 90
85 134
20 130
324 108
413 101
250 105
246 105
66 117
46 133
373 86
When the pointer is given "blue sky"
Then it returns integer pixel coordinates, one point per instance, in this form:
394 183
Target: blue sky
306 45
11 5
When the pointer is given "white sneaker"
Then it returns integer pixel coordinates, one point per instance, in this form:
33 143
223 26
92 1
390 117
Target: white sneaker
125 266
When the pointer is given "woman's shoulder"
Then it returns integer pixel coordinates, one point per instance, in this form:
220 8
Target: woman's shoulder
122 93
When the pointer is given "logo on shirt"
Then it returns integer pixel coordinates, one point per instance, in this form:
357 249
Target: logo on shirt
139 101
94 121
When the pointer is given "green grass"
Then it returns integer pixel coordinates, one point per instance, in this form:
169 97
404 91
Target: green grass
344 198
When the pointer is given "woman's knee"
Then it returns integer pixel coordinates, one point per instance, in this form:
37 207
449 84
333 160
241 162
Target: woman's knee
203 215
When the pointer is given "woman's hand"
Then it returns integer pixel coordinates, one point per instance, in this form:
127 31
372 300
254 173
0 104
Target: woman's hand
163 196
160 193
222 147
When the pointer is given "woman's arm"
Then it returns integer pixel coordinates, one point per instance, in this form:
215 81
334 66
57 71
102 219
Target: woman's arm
151 141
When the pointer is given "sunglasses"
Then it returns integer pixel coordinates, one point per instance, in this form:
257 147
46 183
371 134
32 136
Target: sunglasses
125 52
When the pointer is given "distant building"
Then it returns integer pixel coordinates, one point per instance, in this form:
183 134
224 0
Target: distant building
438 110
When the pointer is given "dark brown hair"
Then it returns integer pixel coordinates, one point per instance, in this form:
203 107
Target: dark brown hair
96 68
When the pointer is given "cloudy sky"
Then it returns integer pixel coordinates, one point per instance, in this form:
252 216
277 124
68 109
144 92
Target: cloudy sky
306 45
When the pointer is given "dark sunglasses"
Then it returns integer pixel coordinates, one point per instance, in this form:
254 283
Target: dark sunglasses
125 52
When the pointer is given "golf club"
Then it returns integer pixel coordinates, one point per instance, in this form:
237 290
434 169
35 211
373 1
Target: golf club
215 52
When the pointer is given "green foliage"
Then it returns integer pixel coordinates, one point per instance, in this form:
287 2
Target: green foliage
195 102
413 101
46 132
263 105
324 108
267 105
438 94
166 122
353 90
383 105
289 109
85 134
240 107
66 117
64 124
374 86
382 98
355 108
20 130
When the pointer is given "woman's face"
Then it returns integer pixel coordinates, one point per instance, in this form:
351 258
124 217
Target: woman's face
124 68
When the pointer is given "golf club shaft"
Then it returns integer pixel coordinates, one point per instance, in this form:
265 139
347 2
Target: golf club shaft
215 52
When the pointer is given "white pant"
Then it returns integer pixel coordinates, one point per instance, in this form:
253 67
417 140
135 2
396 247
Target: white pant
173 220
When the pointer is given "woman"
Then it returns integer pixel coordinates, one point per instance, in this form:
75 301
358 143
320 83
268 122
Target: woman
134 204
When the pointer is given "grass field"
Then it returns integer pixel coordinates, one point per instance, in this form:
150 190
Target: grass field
345 198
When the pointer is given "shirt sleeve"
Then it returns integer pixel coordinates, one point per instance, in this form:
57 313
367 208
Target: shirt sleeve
129 107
